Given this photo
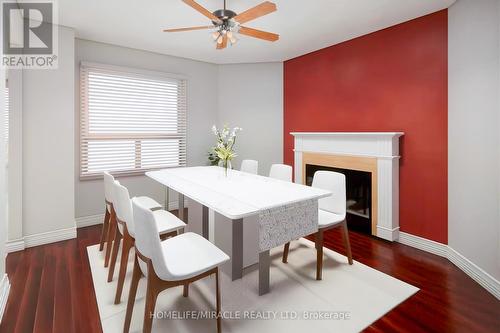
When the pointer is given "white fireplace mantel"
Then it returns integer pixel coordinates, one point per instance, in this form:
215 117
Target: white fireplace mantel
383 146
367 144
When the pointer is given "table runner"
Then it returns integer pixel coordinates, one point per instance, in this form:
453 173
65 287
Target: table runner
281 225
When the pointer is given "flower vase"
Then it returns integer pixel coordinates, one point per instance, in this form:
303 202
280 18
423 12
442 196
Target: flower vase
226 164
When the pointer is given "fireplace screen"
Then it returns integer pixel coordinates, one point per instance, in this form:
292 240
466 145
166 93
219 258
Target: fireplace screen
358 191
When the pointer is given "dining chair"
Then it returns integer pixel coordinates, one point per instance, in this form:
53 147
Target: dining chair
109 217
176 261
250 166
331 214
167 223
107 214
109 228
281 172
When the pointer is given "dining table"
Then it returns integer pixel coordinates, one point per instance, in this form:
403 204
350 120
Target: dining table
284 211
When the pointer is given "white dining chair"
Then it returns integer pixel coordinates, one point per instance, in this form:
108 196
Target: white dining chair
108 207
250 166
167 223
281 172
331 214
109 228
176 261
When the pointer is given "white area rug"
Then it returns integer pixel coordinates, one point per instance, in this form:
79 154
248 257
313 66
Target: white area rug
349 298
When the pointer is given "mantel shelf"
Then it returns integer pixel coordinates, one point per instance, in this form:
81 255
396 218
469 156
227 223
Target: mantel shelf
372 134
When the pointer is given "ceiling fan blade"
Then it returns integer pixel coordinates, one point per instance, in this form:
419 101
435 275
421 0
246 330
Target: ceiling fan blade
196 6
259 34
223 44
255 12
189 29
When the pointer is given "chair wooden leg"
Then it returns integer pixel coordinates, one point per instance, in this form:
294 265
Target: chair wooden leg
217 300
151 296
319 255
104 231
347 244
111 235
114 254
185 292
285 252
136 276
128 242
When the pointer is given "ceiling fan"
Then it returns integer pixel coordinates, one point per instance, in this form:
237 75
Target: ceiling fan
227 23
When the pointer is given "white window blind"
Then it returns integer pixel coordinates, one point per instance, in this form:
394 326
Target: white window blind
131 121
6 115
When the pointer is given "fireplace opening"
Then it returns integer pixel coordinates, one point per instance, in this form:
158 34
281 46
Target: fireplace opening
358 193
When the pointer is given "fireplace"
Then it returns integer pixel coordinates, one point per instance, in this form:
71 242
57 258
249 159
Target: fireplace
358 193
370 162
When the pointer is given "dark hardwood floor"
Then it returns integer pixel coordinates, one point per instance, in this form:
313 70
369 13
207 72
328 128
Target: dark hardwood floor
52 290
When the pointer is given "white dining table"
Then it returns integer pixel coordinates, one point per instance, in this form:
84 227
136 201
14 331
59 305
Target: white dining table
287 210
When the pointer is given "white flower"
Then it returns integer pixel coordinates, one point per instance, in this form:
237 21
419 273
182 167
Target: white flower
225 132
226 137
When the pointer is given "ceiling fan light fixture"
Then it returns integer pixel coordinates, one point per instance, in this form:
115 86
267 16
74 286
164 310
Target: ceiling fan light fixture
227 23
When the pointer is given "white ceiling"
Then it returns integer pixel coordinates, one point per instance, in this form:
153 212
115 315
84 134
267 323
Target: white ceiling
304 26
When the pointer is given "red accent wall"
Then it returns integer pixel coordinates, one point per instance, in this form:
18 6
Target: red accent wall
391 80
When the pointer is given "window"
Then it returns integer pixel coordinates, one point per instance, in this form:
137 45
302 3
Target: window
131 120
6 114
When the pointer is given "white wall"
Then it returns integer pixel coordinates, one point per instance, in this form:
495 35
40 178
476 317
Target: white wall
202 112
251 96
48 146
3 197
473 138
15 151
3 187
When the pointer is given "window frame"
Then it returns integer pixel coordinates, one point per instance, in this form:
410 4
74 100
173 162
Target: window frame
84 136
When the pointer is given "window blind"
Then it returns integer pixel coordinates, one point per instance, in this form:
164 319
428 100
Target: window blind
131 121
6 115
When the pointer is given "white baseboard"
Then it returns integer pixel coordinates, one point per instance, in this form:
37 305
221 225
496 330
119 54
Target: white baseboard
487 281
423 244
15 245
484 279
4 294
388 234
50 237
87 221
40 239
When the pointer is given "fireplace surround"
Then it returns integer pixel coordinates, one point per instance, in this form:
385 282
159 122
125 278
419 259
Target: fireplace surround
358 195
374 152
